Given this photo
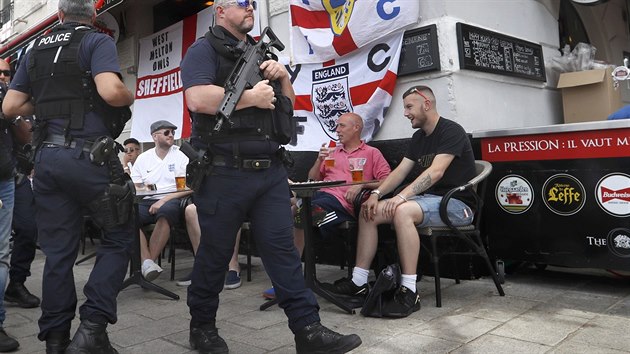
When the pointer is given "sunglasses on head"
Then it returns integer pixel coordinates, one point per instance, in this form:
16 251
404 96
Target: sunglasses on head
245 3
166 132
5 72
415 90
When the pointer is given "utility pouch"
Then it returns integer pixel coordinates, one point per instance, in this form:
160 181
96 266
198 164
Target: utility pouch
285 156
115 207
282 120
102 150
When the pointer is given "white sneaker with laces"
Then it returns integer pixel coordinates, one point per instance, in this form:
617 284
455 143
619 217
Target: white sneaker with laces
150 270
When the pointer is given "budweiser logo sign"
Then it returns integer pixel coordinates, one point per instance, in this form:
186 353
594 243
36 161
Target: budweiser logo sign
609 194
613 194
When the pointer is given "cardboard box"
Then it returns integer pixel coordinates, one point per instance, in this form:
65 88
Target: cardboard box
588 95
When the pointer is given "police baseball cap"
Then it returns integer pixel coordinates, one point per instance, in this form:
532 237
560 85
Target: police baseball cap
161 124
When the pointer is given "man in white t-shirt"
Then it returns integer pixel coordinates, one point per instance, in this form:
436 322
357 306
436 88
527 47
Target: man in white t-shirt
159 166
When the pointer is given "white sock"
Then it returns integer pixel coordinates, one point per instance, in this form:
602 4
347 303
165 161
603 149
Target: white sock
147 262
409 281
360 276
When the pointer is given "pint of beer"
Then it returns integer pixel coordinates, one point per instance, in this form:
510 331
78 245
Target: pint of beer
356 168
180 182
357 175
329 161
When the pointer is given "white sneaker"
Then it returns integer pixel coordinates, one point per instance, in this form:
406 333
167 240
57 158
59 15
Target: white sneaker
150 270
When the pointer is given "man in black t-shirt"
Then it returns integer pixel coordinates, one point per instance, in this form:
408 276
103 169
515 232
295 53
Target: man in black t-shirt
442 150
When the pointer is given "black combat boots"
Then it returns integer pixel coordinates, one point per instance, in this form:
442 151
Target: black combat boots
206 340
317 339
91 338
57 342
19 294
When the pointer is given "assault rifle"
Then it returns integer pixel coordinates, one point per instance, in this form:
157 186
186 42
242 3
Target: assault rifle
246 74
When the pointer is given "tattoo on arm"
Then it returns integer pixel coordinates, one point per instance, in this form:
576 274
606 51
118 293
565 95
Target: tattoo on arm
422 185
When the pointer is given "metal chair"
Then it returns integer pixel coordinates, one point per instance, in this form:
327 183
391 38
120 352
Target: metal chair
470 235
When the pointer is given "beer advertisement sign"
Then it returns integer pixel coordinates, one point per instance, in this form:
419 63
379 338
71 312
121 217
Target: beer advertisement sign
514 194
563 194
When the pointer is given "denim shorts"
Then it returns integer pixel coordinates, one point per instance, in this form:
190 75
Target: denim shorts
458 212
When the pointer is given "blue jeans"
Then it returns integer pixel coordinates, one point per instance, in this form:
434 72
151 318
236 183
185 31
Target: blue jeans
7 193
459 213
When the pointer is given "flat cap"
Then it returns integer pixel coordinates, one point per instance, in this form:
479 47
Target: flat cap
161 124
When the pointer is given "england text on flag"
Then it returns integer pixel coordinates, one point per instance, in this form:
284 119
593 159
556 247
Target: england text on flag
360 82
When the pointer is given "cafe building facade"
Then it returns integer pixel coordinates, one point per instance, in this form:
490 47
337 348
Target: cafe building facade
559 193
477 98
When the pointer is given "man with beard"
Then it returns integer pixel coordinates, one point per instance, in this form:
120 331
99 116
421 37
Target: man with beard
247 180
442 149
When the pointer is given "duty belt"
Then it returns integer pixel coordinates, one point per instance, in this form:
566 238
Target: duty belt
60 141
250 164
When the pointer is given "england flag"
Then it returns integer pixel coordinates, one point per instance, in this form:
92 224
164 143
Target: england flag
361 82
322 30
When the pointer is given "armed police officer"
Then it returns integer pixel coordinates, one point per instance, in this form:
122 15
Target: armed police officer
245 179
80 104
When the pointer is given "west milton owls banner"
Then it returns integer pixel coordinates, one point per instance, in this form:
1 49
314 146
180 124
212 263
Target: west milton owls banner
322 30
159 92
361 82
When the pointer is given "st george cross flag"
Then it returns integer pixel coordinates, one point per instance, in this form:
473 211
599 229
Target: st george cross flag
322 30
159 91
361 82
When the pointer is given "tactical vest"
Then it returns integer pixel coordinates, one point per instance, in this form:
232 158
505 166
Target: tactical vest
251 123
61 89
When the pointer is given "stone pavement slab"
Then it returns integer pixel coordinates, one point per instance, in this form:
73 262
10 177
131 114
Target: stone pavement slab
557 310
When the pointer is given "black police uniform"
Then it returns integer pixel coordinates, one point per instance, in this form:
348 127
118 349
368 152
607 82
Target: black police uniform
70 115
247 181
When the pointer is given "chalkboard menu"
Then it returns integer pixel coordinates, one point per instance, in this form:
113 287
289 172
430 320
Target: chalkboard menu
419 51
493 52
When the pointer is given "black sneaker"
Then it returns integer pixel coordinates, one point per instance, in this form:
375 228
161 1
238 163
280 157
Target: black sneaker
315 339
19 294
404 303
7 343
347 287
206 340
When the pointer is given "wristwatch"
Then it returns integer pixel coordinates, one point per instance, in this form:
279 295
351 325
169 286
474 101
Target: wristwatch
377 192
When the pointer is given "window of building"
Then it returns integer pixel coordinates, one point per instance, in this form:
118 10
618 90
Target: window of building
572 29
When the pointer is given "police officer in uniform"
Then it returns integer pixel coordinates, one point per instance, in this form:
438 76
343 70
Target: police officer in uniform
247 180
80 104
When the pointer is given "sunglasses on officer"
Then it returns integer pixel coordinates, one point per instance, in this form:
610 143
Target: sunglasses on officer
243 3
5 72
130 150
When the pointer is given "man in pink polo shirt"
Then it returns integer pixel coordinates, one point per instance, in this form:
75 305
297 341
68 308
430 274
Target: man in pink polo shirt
332 206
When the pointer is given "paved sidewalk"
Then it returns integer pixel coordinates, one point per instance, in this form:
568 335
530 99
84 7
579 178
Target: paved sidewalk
554 311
